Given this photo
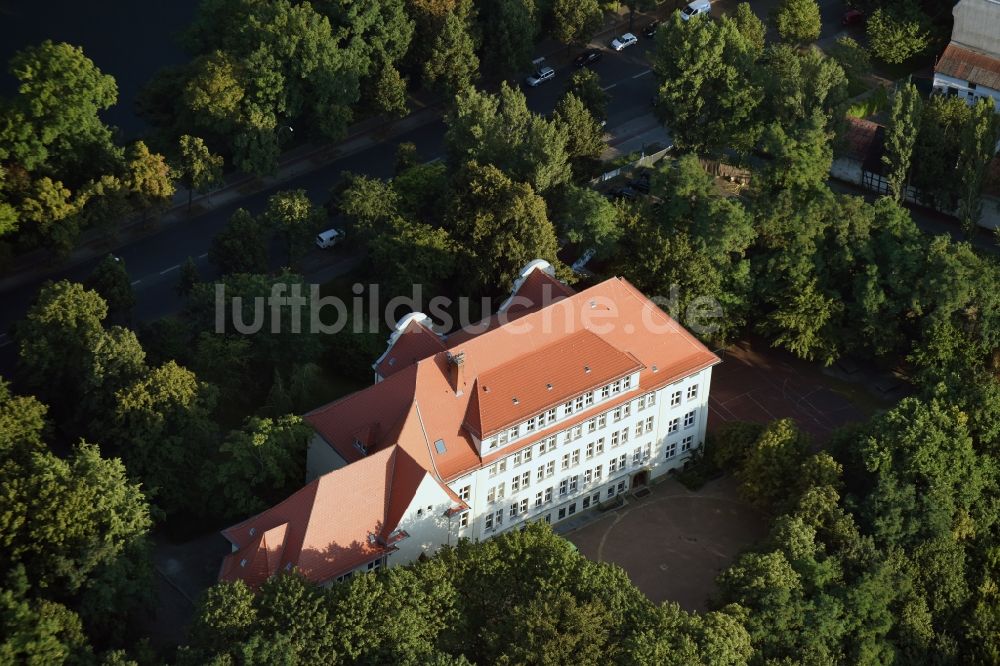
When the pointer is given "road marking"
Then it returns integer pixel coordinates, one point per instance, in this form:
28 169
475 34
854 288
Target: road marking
135 282
202 256
641 74
172 268
609 87
434 161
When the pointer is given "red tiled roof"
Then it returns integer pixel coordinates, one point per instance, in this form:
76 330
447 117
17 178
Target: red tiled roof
858 137
978 68
416 342
544 378
324 529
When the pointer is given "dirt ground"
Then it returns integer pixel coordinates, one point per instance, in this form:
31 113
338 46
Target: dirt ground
674 542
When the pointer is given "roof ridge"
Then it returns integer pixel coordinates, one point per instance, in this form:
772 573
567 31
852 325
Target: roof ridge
427 444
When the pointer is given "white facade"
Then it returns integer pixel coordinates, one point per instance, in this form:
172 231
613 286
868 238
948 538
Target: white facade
970 92
589 462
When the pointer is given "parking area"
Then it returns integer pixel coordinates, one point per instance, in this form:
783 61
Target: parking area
673 542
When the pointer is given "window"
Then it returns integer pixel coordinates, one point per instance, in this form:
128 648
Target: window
541 448
550 468
502 465
602 420
617 414
591 425
526 479
650 399
600 446
573 482
493 469
551 414
515 484
621 461
590 450
586 502
568 407
541 472
613 466
588 476
526 455
464 520
675 398
627 383
517 459
615 436
686 443
491 444
372 566
649 424
605 392
689 419
621 486
572 508
538 499
513 510
576 458
498 517
514 433
638 429
548 494
647 452
530 425
548 518
524 505
502 439
500 491
596 497
565 461
673 425
589 399
597 472
577 432
465 493
578 403
551 443
489 521
624 435
616 387
562 513
611 492
491 495
641 403
627 409
637 456
671 450
692 392
563 487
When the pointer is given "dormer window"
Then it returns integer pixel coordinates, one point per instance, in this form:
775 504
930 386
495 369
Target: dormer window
514 433
360 446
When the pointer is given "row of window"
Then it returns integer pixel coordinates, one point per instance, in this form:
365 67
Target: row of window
579 403
495 519
671 447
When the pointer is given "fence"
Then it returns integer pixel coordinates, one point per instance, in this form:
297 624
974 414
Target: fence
644 161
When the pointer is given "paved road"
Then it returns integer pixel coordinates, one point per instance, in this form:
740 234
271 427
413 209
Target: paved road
154 262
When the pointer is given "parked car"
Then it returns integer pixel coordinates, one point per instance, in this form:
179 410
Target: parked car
640 184
588 58
626 193
541 76
624 41
329 238
696 8
650 30
853 17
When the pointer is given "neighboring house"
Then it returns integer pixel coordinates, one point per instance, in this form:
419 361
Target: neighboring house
557 403
970 65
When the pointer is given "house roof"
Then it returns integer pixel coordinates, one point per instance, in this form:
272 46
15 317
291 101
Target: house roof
977 25
859 135
969 65
334 524
414 342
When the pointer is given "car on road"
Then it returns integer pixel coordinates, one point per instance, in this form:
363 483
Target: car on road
695 8
624 41
853 17
541 76
650 30
328 238
588 58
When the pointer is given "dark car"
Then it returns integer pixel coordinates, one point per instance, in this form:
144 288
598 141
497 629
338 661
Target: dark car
622 193
640 184
588 58
853 17
650 30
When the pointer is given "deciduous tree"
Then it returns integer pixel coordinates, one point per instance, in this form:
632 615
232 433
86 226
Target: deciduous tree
797 21
900 137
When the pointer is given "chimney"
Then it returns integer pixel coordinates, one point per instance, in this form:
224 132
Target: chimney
456 371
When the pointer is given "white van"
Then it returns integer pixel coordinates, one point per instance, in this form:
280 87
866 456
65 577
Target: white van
328 238
695 8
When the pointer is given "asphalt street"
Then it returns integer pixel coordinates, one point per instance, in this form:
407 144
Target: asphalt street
154 262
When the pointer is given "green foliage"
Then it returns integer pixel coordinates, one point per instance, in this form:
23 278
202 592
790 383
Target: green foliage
510 27
499 130
149 178
585 85
242 246
751 28
414 253
37 631
797 21
853 59
453 65
768 469
584 217
898 31
937 150
292 215
575 20
977 148
189 277
900 137
585 136
261 464
199 168
111 280
390 92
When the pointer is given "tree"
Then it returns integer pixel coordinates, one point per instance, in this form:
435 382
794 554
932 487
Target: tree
199 168
585 85
585 135
901 135
936 152
51 207
164 430
414 253
584 217
190 276
453 65
751 27
390 92
260 463
111 280
853 58
38 631
501 223
802 155
706 93
977 148
797 20
500 130
150 178
294 217
898 31
509 30
575 20
242 246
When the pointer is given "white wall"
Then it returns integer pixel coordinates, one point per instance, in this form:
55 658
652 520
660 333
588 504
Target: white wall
426 523
942 82
321 458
